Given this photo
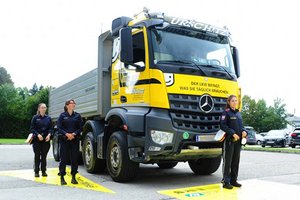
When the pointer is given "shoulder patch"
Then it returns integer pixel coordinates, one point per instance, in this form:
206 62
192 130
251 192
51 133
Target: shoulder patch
223 117
227 109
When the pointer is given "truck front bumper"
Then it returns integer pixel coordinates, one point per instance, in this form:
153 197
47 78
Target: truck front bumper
184 145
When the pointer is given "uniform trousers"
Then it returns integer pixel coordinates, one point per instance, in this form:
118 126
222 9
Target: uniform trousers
69 150
231 160
40 149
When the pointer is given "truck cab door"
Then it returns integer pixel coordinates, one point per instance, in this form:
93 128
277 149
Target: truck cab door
130 80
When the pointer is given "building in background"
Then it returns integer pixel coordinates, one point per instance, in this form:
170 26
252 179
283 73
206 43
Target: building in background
293 122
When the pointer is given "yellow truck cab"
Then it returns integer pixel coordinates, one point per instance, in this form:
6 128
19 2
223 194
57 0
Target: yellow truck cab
156 97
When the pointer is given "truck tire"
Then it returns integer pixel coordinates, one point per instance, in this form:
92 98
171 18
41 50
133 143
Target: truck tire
119 166
293 146
89 154
55 147
205 166
167 165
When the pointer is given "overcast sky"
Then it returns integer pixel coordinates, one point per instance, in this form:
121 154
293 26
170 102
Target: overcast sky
50 42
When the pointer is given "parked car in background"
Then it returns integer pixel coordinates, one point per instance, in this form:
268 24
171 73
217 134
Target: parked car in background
259 138
294 138
251 135
275 138
263 134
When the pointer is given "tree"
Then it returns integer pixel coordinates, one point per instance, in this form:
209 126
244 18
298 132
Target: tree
261 117
12 112
34 89
260 114
17 107
34 100
276 116
4 76
248 110
23 92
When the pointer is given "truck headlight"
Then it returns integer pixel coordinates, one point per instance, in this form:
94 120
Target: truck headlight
161 137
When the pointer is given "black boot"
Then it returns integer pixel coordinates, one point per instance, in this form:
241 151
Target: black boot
236 184
74 181
36 174
227 186
62 181
44 174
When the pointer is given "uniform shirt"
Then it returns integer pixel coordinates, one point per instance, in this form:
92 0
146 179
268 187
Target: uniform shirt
41 125
69 123
231 122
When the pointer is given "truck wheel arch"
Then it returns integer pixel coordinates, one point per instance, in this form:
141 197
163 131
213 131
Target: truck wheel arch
115 118
96 127
132 117
114 123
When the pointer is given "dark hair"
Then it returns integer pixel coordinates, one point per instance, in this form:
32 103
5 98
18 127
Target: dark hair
228 100
67 103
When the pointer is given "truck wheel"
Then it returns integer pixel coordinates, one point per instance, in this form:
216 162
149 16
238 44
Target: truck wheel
55 147
167 165
293 145
91 162
205 166
119 166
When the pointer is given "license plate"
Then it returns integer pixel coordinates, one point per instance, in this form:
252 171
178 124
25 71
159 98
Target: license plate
205 138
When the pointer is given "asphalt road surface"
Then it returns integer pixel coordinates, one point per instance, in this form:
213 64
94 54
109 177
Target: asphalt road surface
263 175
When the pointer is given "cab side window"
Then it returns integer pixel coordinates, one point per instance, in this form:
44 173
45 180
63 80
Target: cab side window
138 48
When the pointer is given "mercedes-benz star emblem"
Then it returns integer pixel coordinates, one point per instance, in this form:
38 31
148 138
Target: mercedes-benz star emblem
206 103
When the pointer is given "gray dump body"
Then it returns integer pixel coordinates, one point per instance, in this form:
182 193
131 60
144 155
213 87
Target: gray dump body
90 91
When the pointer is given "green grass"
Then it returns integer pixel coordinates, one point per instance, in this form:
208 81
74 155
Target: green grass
272 149
12 141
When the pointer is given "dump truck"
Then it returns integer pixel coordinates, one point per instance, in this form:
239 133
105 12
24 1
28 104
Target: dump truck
156 96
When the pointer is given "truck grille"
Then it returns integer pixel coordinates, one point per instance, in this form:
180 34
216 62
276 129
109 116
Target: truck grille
186 114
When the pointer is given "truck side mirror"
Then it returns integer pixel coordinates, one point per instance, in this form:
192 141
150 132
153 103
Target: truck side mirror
126 52
236 62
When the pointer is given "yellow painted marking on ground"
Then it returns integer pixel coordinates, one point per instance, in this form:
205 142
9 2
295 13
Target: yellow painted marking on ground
54 179
251 189
213 191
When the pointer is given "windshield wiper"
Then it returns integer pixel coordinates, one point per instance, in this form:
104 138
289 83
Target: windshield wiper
219 67
182 68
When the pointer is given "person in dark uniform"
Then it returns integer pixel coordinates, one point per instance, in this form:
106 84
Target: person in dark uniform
231 123
41 128
69 125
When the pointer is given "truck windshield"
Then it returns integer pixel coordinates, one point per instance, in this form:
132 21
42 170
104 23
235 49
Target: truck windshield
201 48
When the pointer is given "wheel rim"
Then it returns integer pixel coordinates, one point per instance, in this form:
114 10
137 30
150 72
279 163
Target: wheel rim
88 153
115 157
